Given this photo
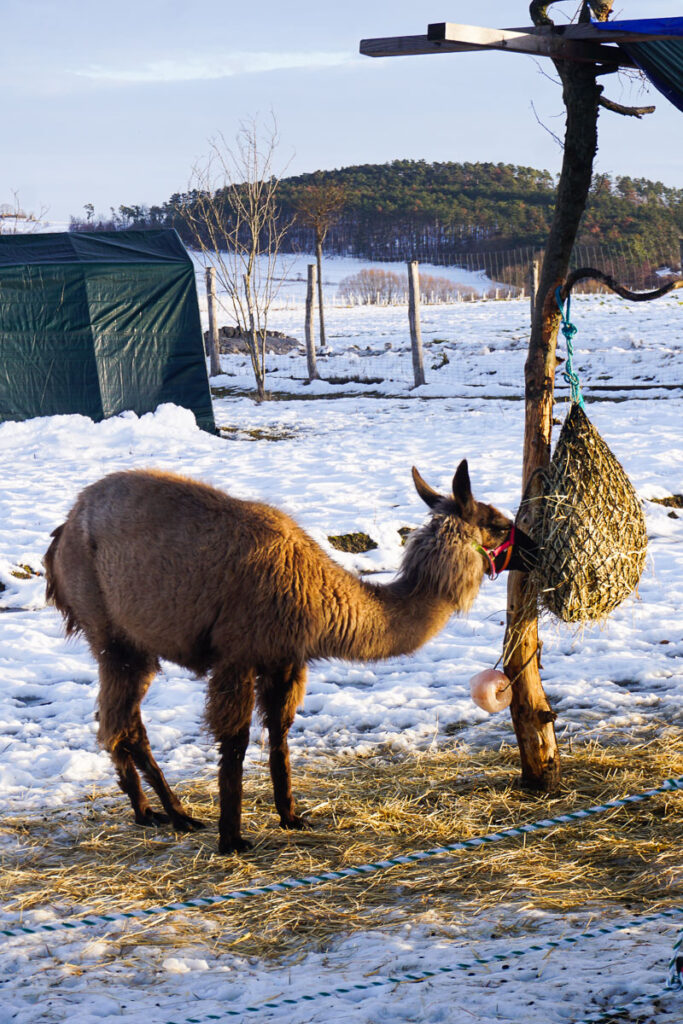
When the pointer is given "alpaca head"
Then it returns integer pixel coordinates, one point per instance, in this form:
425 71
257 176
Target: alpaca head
465 538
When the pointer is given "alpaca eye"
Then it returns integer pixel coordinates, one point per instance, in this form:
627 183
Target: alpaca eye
498 529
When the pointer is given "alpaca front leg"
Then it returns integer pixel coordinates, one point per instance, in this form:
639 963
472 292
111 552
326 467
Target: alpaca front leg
280 773
229 709
279 695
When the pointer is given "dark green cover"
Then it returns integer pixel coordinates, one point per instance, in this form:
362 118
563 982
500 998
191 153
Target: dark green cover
662 62
98 323
660 59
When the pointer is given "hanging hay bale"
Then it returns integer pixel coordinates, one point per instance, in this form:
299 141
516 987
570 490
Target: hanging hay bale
590 527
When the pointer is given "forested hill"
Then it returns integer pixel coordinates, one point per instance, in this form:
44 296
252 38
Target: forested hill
412 208
408 206
389 209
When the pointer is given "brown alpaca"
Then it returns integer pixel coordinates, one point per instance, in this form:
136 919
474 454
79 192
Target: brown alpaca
149 565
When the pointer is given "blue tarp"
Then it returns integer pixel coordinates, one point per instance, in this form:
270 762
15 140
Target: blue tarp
661 60
672 26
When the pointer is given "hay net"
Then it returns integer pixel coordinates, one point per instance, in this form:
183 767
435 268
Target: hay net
590 527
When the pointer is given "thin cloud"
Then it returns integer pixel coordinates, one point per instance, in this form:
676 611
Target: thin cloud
188 69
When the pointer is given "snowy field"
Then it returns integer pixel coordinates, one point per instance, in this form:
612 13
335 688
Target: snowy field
344 466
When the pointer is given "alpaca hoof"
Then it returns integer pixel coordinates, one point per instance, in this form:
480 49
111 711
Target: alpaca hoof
235 845
151 819
185 823
295 822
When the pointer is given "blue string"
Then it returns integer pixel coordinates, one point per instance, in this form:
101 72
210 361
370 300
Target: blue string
569 330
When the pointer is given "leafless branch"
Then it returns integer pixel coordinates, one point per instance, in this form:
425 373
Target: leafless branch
618 108
15 220
552 134
232 212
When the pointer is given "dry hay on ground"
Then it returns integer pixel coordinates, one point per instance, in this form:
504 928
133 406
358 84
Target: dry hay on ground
365 808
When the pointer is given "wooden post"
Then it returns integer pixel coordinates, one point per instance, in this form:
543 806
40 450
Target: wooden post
680 248
414 319
310 322
534 278
214 360
321 313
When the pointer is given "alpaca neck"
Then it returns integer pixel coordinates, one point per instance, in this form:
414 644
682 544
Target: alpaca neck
383 621
440 574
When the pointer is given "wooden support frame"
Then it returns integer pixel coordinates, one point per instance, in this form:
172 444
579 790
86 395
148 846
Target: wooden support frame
447 37
582 42
581 32
543 43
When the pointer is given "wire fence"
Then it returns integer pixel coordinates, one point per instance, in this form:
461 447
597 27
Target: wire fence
635 263
631 264
472 343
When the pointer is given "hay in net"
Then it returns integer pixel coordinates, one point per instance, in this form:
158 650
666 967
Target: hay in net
590 527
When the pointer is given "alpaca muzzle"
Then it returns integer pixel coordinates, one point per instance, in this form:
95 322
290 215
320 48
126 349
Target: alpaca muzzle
517 551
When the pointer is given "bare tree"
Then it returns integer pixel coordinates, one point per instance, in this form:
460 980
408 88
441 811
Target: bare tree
233 215
15 220
319 206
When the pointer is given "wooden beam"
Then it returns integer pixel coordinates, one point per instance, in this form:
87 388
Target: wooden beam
408 46
541 41
581 32
579 42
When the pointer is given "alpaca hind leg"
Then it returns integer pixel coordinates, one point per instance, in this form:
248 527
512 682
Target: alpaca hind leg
129 781
138 746
229 709
279 695
125 676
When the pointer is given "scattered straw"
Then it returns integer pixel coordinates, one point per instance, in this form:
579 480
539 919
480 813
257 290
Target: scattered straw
362 808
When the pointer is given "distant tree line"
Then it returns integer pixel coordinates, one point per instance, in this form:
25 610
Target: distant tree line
410 209
373 286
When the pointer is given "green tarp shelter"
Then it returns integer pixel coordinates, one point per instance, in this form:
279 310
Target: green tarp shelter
97 323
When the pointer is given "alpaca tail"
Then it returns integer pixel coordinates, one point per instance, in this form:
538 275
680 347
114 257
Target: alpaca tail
53 594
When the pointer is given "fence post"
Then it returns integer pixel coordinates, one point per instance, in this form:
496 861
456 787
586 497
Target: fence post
414 319
215 363
310 329
680 247
534 278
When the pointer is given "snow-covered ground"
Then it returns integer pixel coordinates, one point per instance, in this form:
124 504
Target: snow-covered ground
342 466
470 348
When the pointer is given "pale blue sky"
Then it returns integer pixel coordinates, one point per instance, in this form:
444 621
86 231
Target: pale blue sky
113 102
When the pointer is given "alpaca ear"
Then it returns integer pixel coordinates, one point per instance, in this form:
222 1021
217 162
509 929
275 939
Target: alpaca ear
462 490
427 493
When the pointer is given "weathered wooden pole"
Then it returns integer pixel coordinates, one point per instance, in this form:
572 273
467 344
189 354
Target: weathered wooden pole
321 307
310 322
534 280
531 713
214 359
414 320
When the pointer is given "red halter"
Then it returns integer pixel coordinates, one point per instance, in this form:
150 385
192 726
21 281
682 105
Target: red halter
491 554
